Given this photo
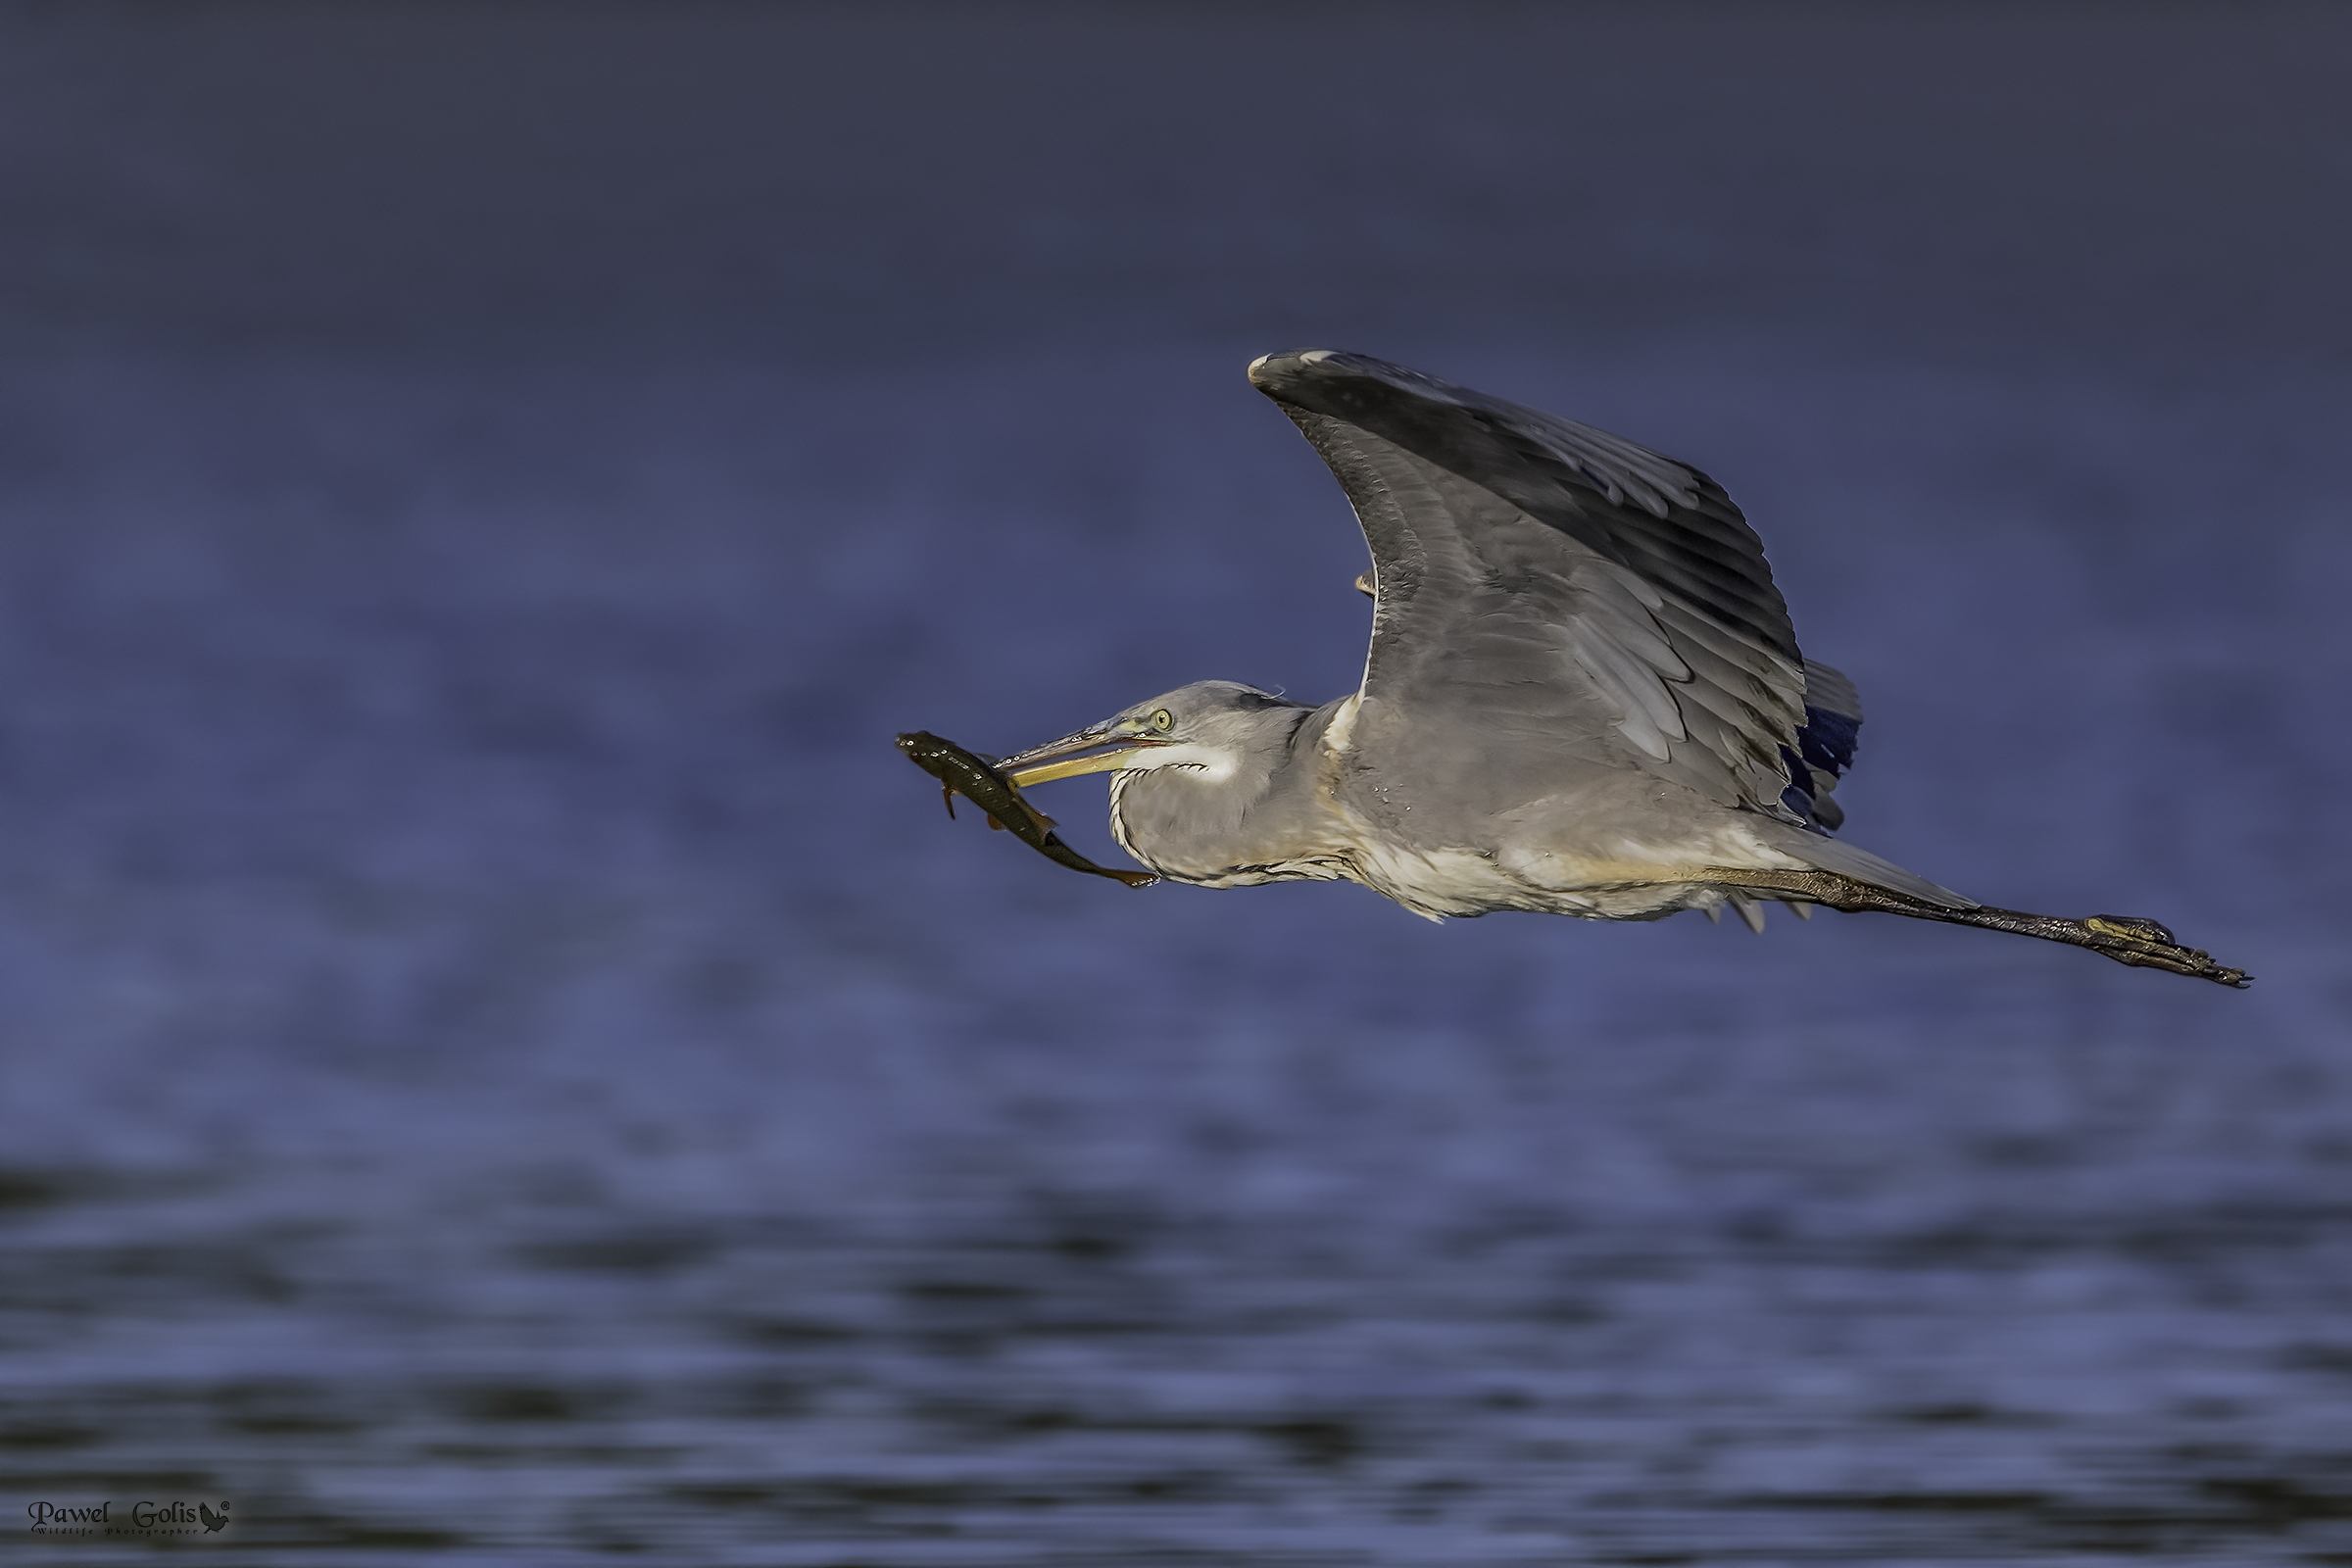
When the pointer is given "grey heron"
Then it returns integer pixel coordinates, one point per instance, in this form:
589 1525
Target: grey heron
1583 696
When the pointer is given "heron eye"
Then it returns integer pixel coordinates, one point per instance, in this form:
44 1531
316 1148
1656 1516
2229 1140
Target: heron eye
1164 720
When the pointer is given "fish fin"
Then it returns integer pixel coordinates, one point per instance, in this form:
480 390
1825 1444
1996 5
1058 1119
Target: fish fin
996 825
947 793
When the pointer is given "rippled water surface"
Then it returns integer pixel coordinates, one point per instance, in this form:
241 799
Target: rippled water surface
502 1061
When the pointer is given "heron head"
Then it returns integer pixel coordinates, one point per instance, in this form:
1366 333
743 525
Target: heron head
1204 726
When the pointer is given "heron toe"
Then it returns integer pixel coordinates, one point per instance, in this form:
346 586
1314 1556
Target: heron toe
2130 925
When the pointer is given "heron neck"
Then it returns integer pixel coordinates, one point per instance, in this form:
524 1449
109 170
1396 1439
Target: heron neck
1260 814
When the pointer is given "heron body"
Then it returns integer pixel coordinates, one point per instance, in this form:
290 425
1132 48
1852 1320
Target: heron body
1583 696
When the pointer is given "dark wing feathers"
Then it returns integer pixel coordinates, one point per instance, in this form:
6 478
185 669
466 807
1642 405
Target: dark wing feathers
1663 519
1825 747
1652 586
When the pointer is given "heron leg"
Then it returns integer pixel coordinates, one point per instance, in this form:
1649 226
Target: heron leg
2126 938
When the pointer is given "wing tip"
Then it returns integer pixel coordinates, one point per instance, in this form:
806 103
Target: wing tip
1270 372
1286 375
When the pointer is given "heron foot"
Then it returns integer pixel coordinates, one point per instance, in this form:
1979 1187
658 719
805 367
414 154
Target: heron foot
2148 945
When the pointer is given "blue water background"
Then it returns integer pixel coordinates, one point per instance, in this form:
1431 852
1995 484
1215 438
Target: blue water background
501 1062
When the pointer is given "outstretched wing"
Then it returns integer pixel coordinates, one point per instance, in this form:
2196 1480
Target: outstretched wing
1559 586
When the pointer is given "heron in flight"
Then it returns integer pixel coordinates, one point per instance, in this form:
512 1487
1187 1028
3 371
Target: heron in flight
1583 696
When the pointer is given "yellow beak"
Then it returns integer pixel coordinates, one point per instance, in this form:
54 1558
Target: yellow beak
1042 764
1104 763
